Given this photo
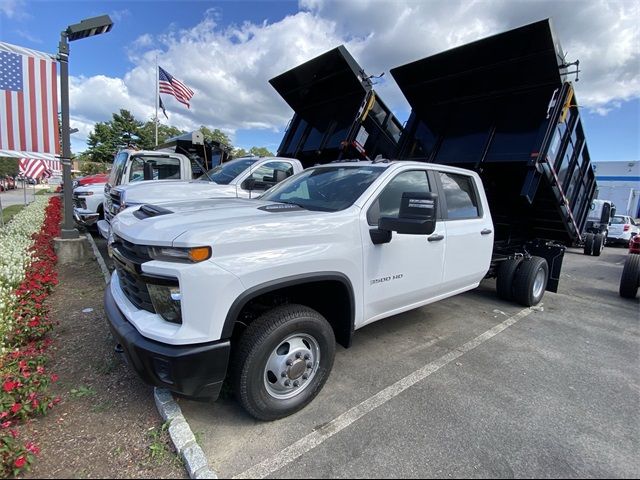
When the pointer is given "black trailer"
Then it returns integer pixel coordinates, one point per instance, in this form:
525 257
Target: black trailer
503 107
201 152
337 112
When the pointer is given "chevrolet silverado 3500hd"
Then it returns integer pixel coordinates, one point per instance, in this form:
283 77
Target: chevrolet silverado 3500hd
261 290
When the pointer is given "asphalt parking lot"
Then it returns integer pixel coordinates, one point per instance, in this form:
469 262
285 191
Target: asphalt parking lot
552 392
468 387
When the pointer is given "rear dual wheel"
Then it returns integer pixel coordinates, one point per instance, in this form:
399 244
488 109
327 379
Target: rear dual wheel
523 280
593 244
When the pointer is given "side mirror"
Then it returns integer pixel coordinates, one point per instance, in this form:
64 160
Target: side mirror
280 176
147 170
417 215
249 184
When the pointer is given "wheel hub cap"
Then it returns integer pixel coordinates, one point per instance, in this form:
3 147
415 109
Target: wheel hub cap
297 369
291 366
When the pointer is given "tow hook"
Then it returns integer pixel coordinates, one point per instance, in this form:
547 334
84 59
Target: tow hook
118 348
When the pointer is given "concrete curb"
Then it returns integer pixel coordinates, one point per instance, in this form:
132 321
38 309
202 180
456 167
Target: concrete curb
180 432
96 252
181 435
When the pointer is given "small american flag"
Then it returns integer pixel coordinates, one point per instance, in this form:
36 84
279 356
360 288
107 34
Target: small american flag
28 101
173 86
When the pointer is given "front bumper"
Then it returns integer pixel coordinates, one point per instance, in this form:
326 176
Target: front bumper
196 371
86 218
104 228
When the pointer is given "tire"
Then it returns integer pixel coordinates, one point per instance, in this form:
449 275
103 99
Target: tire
598 244
588 244
530 281
630 276
265 343
505 274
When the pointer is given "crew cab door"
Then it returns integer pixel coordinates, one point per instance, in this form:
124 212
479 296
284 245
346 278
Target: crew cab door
469 230
407 271
263 177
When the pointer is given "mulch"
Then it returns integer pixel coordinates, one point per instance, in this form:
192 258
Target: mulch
106 425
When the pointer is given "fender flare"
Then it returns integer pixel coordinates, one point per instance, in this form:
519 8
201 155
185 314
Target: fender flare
270 286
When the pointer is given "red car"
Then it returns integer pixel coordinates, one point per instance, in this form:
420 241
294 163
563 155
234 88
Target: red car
89 179
634 244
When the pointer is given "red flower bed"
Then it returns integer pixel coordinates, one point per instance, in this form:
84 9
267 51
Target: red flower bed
24 379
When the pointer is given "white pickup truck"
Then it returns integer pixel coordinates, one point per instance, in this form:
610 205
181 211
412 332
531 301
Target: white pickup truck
88 204
259 291
132 166
244 177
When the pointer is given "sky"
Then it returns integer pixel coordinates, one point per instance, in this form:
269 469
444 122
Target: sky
226 52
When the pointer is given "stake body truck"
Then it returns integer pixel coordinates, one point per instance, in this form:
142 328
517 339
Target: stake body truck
259 291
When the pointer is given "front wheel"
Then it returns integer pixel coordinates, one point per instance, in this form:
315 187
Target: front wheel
282 361
530 281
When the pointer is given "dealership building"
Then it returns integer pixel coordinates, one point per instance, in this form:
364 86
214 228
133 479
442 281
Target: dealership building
620 183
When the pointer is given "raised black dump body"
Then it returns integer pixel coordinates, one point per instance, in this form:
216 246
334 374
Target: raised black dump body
501 106
201 152
337 113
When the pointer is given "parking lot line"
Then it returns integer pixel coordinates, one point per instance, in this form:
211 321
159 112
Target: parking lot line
317 437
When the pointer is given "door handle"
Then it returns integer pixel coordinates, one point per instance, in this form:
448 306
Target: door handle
435 238
486 231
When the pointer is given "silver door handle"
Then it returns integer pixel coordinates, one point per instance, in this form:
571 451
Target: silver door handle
486 231
435 238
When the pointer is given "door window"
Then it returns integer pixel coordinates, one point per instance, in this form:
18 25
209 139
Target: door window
460 196
267 175
388 202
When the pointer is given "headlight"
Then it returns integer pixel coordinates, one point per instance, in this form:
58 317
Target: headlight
193 255
166 302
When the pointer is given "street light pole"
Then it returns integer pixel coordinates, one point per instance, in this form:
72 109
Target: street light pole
68 227
85 28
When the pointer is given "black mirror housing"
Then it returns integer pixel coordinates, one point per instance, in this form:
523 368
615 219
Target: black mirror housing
417 216
147 170
249 184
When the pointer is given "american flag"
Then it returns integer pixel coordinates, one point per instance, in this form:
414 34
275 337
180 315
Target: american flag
28 102
36 168
173 86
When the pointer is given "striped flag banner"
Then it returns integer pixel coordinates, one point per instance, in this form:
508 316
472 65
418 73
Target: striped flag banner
36 168
28 102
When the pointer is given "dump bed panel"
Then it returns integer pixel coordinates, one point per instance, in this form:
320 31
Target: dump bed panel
500 106
337 113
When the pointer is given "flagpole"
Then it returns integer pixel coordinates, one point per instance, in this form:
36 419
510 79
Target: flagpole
157 97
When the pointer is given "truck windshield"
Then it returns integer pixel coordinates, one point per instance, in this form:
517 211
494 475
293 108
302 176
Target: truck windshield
118 168
225 173
327 189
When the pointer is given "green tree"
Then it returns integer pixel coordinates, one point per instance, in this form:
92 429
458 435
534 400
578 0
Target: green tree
108 137
257 151
239 152
216 135
260 152
9 166
165 132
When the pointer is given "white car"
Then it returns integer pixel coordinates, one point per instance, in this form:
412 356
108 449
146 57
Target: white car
621 229
88 204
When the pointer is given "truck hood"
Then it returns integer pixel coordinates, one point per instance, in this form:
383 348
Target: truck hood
204 221
173 190
92 187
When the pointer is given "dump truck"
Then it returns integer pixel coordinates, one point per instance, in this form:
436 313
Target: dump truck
503 107
337 113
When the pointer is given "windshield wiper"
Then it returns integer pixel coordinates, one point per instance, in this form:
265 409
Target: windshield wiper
291 203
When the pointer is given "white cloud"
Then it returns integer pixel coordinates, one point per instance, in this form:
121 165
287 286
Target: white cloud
228 67
13 9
